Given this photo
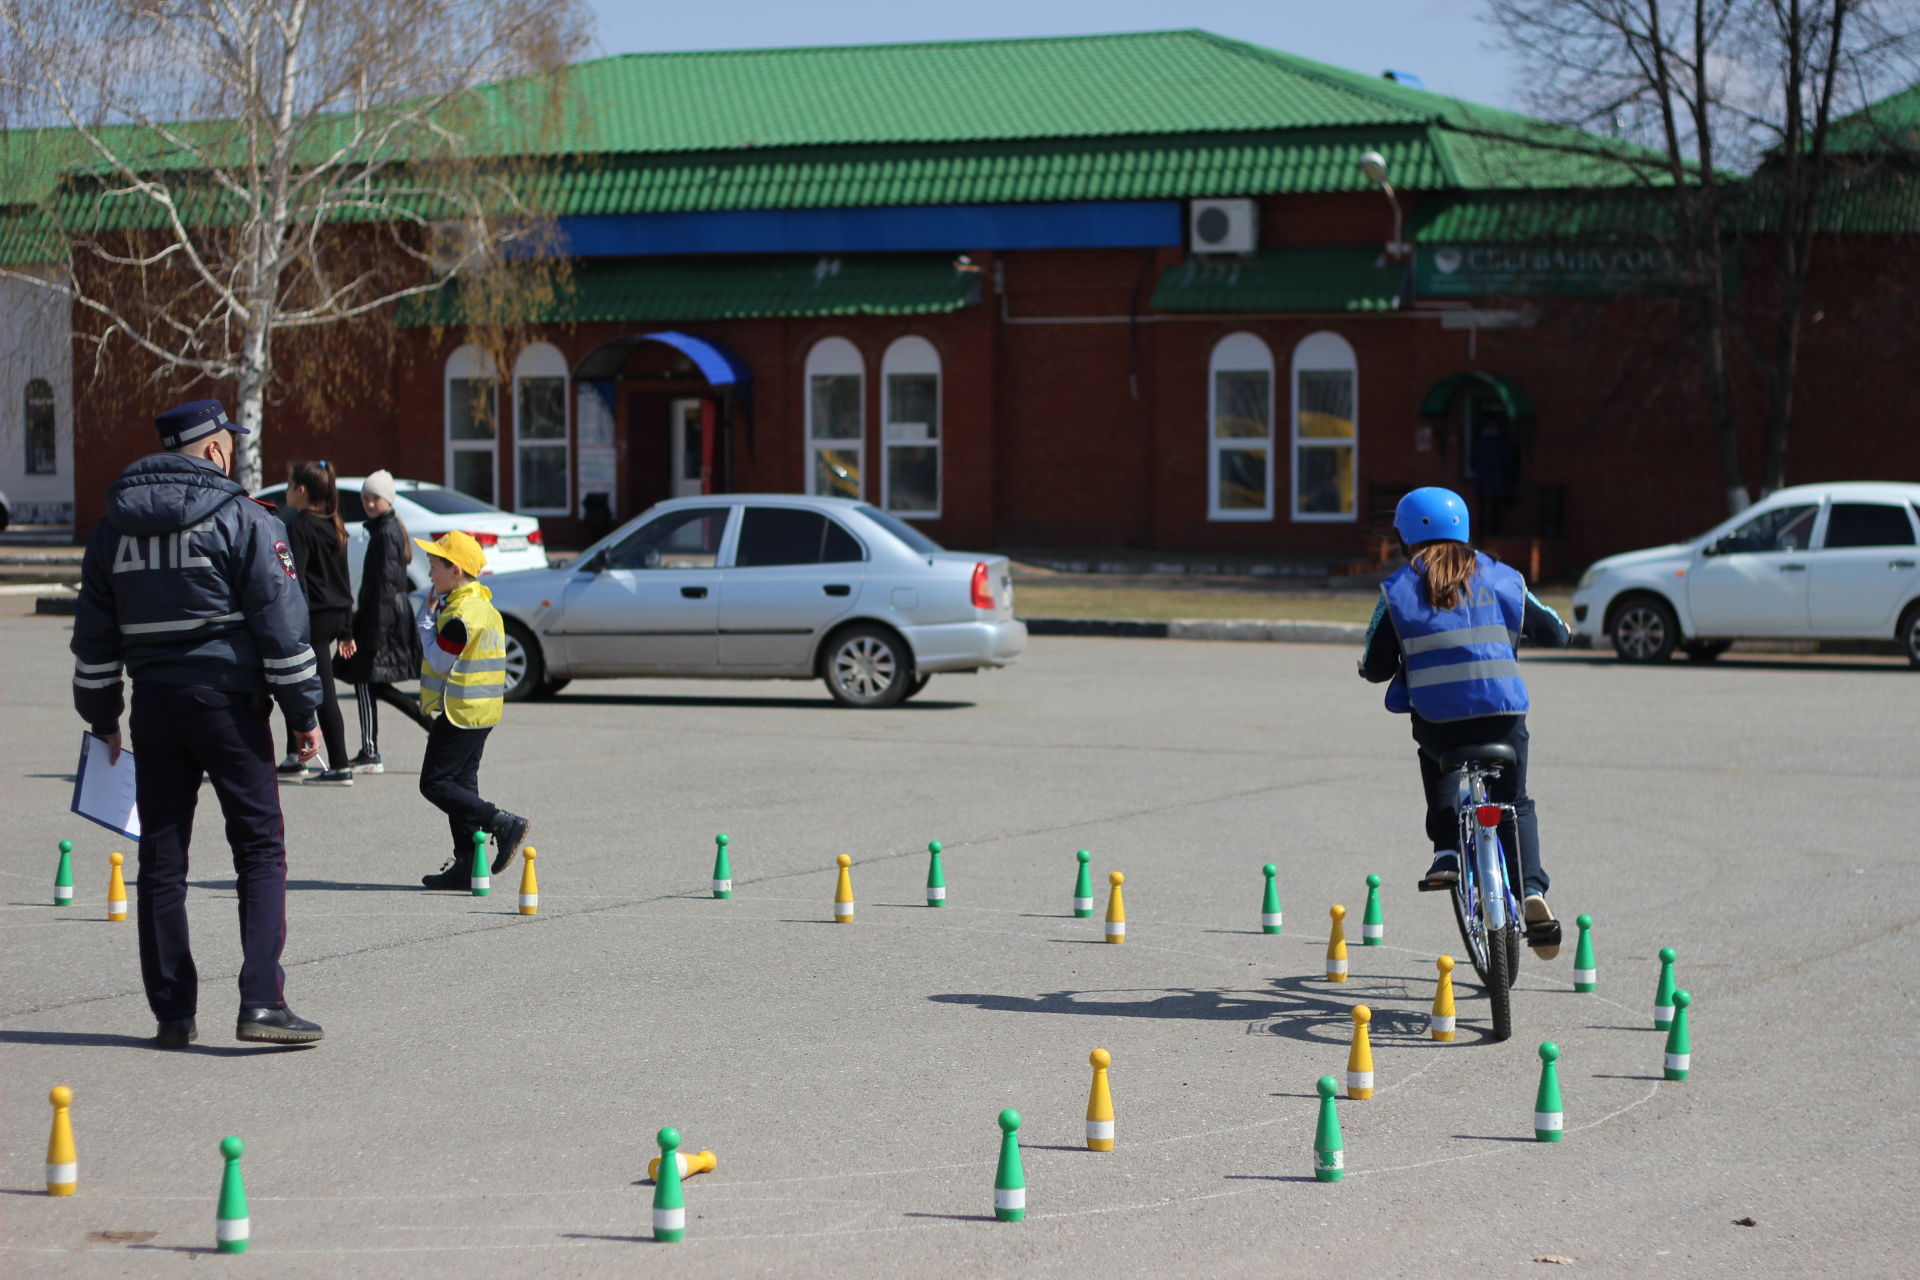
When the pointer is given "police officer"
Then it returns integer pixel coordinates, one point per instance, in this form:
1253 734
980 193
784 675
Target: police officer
189 587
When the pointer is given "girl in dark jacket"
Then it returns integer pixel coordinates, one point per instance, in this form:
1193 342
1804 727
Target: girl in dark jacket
387 647
318 541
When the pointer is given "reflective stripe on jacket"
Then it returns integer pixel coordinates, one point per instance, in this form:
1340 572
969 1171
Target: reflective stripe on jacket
474 689
1458 663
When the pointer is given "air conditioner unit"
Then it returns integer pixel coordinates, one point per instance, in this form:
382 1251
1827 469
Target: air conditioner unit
1222 226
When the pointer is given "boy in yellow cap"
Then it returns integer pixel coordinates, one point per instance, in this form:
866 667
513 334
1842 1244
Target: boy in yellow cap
463 685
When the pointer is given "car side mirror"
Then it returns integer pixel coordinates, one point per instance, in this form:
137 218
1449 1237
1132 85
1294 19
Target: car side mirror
592 564
1714 548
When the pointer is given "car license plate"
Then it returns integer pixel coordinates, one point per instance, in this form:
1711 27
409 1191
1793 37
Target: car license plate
513 544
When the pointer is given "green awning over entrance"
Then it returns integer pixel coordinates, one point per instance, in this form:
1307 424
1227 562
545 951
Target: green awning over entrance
744 288
1285 278
1512 398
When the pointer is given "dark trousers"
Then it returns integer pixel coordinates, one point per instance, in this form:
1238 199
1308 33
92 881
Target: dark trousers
365 694
181 734
450 780
1443 823
325 626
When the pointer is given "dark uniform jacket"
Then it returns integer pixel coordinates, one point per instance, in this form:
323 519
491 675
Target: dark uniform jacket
389 646
188 581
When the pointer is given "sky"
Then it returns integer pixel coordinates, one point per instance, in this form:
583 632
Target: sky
1441 41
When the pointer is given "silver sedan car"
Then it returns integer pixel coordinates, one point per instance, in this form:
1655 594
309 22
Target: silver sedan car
761 586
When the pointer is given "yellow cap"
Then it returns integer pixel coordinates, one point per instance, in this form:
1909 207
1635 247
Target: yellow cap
457 548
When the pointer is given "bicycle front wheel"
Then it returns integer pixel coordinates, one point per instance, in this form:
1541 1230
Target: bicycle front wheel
1502 956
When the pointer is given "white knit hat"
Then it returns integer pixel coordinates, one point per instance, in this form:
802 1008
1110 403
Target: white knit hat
378 485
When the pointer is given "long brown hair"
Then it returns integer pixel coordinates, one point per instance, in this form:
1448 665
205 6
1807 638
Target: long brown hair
317 479
1447 567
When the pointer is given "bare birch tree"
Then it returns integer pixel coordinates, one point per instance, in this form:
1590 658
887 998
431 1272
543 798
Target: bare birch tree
224 172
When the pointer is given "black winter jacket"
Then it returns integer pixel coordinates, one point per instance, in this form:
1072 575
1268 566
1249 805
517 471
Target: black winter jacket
389 646
188 581
321 563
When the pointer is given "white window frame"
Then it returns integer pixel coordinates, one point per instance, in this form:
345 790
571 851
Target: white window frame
469 362
913 354
543 360
1322 352
835 357
1237 353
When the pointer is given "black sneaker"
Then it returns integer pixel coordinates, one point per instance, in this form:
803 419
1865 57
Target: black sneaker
175 1033
294 767
1443 874
510 831
367 763
451 876
333 778
275 1026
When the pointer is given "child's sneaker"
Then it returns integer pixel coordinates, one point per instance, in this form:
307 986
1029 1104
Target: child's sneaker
293 766
333 778
1443 874
367 763
1543 931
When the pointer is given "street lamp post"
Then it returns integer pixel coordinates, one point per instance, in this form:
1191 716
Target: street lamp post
1373 166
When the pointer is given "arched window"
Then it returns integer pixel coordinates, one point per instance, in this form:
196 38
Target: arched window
836 419
541 472
1240 429
910 429
472 464
1326 427
37 419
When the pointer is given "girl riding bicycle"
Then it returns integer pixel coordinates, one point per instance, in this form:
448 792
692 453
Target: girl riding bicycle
1454 617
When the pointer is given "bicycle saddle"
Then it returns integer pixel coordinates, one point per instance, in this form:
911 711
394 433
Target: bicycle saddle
1484 753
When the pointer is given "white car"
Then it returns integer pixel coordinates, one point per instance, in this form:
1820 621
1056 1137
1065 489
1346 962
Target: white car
762 587
512 542
1818 561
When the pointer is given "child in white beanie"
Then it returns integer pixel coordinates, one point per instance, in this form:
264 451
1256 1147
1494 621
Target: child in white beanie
388 646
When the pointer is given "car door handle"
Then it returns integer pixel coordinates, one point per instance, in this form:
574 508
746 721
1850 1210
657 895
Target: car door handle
837 589
694 593
1793 568
1899 564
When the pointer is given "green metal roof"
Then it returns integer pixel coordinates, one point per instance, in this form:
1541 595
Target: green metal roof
1292 278
741 288
1887 126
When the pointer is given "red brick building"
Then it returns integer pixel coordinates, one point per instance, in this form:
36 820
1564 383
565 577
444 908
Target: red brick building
1127 292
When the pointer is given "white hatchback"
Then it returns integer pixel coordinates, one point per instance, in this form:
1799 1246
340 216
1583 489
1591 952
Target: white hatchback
1818 561
512 542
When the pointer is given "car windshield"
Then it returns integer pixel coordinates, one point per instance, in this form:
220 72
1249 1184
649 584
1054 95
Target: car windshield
447 502
900 529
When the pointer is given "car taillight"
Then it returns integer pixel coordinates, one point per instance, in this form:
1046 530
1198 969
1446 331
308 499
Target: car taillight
1489 815
484 539
534 539
982 589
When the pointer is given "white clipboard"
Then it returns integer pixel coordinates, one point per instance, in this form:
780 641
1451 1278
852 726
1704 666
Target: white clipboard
104 792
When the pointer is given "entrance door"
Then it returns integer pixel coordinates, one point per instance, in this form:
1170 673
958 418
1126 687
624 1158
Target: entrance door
687 426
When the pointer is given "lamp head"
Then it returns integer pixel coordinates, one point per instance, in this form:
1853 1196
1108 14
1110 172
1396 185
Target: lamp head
1373 166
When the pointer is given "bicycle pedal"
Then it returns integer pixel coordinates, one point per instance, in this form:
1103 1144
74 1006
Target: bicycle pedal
1436 886
1544 933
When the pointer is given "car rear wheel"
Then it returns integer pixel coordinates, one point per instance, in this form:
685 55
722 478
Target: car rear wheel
1645 630
1705 650
867 666
526 669
1910 632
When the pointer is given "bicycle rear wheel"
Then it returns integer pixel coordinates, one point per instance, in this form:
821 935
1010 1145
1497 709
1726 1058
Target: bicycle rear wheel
1502 958
1473 929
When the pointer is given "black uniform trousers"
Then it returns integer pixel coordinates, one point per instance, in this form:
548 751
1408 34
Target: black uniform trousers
180 734
1434 739
450 780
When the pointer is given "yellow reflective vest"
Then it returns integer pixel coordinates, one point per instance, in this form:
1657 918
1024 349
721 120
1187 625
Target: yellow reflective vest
473 691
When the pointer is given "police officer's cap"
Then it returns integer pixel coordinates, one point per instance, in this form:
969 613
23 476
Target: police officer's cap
195 420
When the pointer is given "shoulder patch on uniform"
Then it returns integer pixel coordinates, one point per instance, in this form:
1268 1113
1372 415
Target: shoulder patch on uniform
286 558
262 502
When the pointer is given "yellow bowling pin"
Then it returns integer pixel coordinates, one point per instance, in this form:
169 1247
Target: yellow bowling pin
116 890
1360 1057
1100 1104
843 892
529 885
63 1177
698 1162
1337 946
1116 910
1441 1023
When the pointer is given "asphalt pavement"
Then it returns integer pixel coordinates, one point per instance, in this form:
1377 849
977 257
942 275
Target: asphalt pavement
487 1096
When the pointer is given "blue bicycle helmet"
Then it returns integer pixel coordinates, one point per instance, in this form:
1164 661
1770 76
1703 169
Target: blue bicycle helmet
1431 515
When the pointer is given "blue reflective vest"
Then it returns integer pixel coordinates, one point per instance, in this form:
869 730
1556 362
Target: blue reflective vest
1458 663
